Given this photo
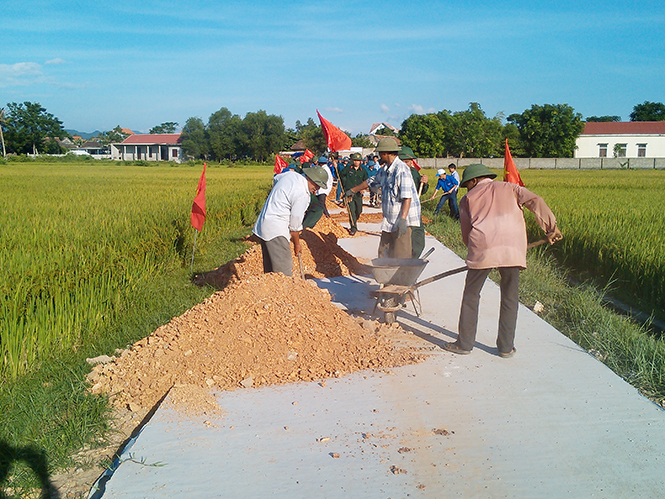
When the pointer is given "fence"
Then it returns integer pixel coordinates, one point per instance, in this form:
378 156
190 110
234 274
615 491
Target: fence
552 163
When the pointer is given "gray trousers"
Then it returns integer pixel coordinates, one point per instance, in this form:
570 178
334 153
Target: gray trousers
468 319
391 246
277 256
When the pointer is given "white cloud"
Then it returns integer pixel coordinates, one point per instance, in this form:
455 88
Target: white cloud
21 73
334 110
57 60
418 109
385 108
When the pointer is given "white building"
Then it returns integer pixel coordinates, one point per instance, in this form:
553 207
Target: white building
149 147
632 139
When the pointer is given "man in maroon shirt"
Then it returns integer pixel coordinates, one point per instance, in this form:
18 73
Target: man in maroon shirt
494 232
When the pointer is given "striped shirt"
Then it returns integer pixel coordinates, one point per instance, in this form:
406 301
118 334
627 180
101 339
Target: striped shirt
396 185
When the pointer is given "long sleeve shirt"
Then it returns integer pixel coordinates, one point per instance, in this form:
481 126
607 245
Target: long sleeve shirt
396 185
492 223
284 210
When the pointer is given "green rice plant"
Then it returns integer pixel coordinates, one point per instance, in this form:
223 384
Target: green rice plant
79 241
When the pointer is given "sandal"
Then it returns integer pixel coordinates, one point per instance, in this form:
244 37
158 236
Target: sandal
455 348
507 355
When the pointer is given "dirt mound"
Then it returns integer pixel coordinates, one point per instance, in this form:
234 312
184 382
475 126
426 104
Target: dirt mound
265 329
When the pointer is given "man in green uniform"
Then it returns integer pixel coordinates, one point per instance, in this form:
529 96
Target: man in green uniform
353 175
417 233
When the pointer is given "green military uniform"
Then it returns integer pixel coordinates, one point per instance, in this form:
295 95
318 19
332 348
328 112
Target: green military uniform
418 233
352 177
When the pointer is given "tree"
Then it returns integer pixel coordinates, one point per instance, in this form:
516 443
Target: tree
114 136
649 111
222 132
549 131
312 135
425 134
472 134
28 126
604 119
166 127
260 135
2 125
194 142
361 140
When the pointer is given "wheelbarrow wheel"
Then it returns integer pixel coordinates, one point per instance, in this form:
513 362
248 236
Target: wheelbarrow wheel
389 317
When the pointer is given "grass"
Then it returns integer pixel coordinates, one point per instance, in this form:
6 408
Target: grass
95 258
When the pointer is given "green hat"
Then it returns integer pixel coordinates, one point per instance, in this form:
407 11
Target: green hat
474 171
406 153
317 175
388 144
356 156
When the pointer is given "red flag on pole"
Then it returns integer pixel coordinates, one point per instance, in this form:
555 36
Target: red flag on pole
306 156
280 164
336 139
510 173
199 206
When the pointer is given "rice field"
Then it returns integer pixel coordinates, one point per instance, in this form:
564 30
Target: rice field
614 229
79 243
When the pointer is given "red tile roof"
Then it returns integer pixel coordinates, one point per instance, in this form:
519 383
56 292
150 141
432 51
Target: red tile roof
154 138
625 128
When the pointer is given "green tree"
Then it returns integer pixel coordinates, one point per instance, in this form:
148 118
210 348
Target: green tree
471 133
194 141
260 135
2 125
166 127
29 126
549 131
222 132
361 140
649 111
312 135
114 136
603 119
425 134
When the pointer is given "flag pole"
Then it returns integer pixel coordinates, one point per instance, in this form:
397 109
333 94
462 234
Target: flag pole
196 233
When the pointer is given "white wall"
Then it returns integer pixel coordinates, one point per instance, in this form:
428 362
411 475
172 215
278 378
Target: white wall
587 145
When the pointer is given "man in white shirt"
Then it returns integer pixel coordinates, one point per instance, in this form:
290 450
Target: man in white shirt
282 215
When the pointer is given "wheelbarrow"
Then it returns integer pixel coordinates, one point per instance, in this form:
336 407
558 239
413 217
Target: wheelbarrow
397 279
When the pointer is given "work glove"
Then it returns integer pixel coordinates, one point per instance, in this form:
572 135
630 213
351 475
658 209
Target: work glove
402 227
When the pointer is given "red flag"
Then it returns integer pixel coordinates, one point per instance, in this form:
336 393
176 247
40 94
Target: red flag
280 164
510 173
336 139
306 156
199 206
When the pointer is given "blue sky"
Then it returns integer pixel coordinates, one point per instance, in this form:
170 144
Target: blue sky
138 64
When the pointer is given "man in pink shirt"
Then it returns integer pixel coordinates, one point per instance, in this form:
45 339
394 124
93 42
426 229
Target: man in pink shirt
494 232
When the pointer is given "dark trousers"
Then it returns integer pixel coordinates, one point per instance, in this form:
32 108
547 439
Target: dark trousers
468 319
277 256
391 246
452 204
355 210
417 240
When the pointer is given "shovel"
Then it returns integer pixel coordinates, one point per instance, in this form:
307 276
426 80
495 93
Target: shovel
302 272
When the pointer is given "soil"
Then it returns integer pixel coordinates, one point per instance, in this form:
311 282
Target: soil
259 329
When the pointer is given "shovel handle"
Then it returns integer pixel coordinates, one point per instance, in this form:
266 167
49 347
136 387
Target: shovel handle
302 272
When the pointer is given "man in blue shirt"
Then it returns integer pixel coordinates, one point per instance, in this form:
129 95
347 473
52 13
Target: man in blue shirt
448 185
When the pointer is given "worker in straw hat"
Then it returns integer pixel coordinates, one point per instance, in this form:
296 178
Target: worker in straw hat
282 215
494 232
399 200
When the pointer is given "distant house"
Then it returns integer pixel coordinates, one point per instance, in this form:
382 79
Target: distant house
149 147
377 127
94 148
632 139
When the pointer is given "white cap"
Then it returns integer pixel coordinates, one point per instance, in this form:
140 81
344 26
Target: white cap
440 172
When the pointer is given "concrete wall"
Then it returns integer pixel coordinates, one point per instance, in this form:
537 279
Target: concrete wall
550 163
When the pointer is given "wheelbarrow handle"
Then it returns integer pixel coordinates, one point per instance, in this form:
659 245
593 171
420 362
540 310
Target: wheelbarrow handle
429 252
440 276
